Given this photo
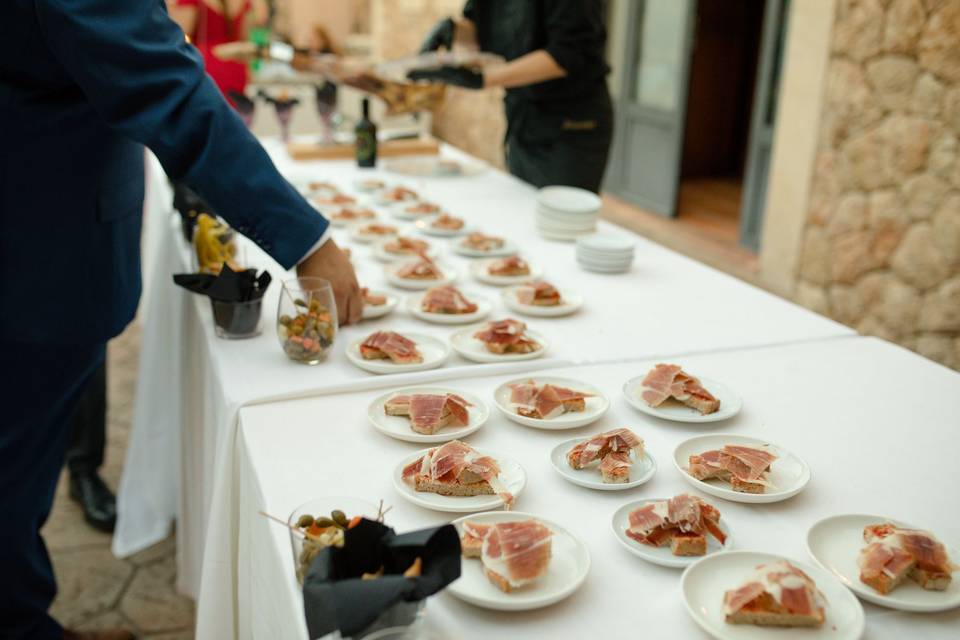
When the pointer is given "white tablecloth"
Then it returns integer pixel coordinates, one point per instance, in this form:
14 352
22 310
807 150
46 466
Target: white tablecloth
192 384
876 423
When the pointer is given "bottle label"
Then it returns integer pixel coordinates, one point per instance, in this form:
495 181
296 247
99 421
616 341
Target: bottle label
366 148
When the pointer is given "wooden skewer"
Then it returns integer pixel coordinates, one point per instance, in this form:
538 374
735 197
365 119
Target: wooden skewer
292 527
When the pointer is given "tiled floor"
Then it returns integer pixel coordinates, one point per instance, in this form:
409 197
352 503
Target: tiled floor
98 590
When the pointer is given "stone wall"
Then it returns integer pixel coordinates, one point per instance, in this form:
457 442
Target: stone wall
881 247
471 120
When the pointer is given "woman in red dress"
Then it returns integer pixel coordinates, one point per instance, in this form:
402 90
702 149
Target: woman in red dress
209 23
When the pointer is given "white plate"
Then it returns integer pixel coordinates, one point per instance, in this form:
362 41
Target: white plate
788 473
572 199
661 555
435 352
385 202
641 471
671 409
381 254
512 476
370 311
835 545
472 349
569 565
594 407
508 249
704 583
479 271
362 188
560 237
483 309
366 238
424 226
607 243
570 302
604 270
399 426
449 275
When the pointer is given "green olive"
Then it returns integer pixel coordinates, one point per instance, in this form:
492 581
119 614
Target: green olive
340 518
299 302
325 522
285 320
314 305
305 521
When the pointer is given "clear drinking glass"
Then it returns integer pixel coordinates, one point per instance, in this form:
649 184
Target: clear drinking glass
306 548
307 319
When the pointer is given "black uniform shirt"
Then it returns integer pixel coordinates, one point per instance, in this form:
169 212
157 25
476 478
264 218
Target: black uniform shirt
571 31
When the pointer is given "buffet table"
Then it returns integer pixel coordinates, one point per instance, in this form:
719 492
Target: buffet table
859 411
181 464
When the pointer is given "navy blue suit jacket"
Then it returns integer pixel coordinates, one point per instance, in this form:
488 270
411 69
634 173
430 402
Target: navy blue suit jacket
84 84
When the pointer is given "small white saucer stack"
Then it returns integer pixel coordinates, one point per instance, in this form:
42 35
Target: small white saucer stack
565 213
605 252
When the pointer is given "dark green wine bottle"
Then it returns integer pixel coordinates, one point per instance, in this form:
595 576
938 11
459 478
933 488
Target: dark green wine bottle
366 133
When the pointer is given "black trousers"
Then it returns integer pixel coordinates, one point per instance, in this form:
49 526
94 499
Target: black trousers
89 437
40 386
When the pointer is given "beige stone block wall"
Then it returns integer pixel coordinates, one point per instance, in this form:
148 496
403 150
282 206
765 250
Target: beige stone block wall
471 120
881 245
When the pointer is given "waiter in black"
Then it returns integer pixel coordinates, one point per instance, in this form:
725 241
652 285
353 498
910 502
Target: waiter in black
559 115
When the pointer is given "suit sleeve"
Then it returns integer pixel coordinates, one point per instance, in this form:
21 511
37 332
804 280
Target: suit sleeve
132 63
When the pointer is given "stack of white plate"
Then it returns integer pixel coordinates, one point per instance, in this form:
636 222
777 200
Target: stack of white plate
566 213
605 252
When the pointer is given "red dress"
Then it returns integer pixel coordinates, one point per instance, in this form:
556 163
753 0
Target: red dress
212 28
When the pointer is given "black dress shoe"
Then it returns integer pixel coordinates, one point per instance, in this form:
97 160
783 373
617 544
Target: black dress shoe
98 502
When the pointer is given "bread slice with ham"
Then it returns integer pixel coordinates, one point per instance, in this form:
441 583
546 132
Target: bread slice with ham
456 469
894 554
543 402
745 467
683 522
776 595
667 381
429 413
510 266
447 300
514 555
388 345
538 294
506 336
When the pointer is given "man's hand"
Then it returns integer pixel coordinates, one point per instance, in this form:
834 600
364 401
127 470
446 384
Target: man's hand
457 76
332 264
441 35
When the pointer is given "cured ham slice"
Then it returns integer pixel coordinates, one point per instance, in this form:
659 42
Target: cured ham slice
334 198
506 336
670 381
399 194
429 413
456 469
387 345
482 242
894 554
510 266
406 246
471 542
374 229
683 522
515 554
615 467
547 401
447 222
422 209
447 300
744 467
777 594
349 214
424 269
374 300
599 446
541 294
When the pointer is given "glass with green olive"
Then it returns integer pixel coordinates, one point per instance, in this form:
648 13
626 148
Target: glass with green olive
306 319
321 523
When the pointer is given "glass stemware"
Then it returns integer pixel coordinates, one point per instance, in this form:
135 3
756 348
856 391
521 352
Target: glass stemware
306 319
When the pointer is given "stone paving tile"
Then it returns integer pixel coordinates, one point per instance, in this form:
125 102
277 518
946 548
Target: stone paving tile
151 602
90 583
66 529
176 635
108 620
163 549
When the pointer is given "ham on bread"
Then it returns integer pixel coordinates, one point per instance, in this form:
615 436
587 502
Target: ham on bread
388 345
506 336
447 222
547 401
683 522
456 469
894 554
540 294
746 468
447 300
423 269
482 242
349 214
422 209
509 266
376 229
612 449
398 194
669 381
403 245
513 554
429 413
374 300
776 595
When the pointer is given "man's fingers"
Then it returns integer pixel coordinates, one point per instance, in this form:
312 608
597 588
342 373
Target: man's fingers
356 307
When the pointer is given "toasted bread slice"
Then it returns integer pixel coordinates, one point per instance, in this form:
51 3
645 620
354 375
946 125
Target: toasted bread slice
463 489
371 353
764 611
498 580
884 583
688 544
471 546
930 580
745 486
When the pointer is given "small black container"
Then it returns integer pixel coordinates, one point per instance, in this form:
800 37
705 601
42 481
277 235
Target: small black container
235 320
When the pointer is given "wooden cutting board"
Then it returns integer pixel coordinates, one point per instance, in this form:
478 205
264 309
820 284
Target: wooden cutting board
423 146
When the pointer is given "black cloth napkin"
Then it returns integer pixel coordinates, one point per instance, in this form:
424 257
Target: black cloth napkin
228 285
336 597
